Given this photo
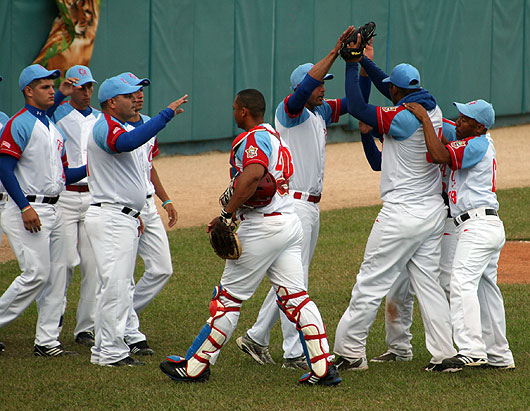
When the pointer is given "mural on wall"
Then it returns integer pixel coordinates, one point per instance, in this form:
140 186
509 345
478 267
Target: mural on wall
71 38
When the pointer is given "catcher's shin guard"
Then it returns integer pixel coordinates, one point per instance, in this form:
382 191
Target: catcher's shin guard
211 338
311 334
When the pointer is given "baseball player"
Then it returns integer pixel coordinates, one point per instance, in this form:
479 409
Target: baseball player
400 298
33 170
76 118
407 233
153 246
117 184
271 239
302 120
477 308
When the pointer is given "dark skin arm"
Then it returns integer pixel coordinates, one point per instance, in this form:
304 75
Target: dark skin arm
246 186
438 152
162 195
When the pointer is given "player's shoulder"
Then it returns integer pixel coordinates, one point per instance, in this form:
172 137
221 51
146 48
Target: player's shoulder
62 111
145 117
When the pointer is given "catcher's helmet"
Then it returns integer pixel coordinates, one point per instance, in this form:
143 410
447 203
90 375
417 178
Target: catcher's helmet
264 193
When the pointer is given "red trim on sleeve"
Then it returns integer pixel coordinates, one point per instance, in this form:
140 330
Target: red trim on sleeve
380 120
386 116
456 149
335 105
287 111
7 143
115 130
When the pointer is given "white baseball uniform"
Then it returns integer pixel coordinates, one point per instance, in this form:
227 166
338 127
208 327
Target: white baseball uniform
74 202
117 184
477 307
3 195
406 237
271 239
306 135
153 246
399 302
41 156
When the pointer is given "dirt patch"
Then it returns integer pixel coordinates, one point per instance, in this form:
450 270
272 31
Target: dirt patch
194 183
514 263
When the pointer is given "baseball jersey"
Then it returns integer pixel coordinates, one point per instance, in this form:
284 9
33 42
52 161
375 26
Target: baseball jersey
77 128
472 180
39 149
3 120
406 176
263 145
114 177
147 152
306 135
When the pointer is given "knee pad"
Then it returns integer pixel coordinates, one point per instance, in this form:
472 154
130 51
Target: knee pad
311 335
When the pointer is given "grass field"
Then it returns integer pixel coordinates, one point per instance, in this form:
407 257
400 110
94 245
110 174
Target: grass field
237 382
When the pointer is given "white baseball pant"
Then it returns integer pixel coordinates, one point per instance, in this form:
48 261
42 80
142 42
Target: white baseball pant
114 239
400 299
2 207
309 215
74 206
477 307
399 242
153 247
42 261
271 246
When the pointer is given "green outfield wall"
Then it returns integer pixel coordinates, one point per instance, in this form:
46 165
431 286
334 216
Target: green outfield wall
210 49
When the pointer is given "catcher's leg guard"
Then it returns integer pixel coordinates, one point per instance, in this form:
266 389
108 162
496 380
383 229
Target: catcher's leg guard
211 338
312 334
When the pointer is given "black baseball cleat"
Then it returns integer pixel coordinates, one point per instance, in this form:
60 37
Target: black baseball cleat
439 368
57 351
126 362
85 338
460 361
175 368
140 348
2 347
330 379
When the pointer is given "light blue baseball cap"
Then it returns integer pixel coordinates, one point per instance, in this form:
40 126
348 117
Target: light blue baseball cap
114 86
131 78
83 73
300 72
479 110
34 72
405 76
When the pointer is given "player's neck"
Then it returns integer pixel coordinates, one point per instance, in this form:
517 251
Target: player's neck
79 107
250 123
135 119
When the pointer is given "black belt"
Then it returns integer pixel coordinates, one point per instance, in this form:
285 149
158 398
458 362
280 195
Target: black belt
464 217
124 210
47 200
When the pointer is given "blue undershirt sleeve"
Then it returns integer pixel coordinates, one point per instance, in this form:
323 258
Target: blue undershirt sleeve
142 134
73 175
9 180
357 106
297 101
365 84
377 76
372 153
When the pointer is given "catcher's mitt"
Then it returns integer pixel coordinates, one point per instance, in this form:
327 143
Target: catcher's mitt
366 32
223 238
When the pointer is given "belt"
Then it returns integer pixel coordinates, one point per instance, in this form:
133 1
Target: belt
477 212
264 215
149 196
78 188
311 198
42 199
124 210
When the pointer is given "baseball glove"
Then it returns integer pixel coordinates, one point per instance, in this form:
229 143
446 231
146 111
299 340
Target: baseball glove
224 240
366 32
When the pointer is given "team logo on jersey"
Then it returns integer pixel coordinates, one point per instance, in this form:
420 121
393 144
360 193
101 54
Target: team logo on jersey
388 109
458 143
5 144
251 152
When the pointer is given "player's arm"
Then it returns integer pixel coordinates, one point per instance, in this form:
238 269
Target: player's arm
160 192
371 151
437 150
246 186
131 140
357 106
73 175
29 216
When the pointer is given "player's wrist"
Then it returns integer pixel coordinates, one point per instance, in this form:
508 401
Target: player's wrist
165 203
225 217
25 209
